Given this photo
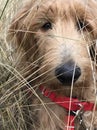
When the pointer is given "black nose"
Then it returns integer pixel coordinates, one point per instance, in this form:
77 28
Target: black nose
67 73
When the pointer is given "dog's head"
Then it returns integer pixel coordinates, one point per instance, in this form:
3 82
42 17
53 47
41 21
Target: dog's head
56 36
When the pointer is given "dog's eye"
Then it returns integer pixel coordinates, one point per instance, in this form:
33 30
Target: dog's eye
47 26
80 25
83 25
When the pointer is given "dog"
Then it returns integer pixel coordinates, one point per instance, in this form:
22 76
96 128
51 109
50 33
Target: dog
53 44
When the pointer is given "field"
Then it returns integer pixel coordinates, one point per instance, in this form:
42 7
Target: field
14 109
11 100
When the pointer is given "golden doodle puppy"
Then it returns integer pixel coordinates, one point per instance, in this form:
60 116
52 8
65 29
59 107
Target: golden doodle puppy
54 43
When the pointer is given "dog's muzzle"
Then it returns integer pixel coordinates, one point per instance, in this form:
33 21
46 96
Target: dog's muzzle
68 73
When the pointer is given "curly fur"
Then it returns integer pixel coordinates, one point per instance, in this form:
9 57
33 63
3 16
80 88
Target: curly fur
41 51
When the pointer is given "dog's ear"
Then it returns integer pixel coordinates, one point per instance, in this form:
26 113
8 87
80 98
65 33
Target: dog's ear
20 28
92 4
17 28
92 7
21 35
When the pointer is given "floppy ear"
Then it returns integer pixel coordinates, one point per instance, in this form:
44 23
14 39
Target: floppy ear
20 32
92 4
22 22
21 38
18 29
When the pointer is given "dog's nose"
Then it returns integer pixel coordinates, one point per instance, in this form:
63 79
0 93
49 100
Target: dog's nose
67 73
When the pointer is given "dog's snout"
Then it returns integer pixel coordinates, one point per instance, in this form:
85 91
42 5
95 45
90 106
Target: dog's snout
68 73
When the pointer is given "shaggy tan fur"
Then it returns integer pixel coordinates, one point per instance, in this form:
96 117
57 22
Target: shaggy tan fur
40 51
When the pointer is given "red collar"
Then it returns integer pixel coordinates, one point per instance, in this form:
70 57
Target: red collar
70 104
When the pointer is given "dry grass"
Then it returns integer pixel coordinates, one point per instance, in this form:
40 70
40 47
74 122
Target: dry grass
11 100
13 114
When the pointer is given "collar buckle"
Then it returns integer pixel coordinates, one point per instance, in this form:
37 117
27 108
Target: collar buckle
79 115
